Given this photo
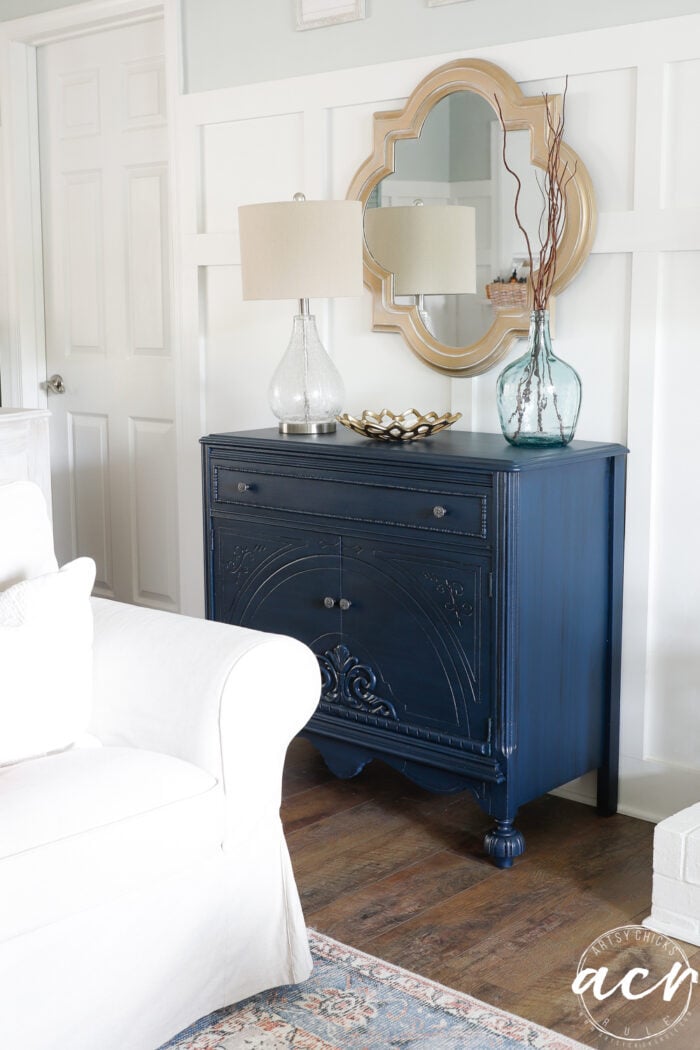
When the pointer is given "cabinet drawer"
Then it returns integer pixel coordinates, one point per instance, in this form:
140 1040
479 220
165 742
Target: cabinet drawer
464 512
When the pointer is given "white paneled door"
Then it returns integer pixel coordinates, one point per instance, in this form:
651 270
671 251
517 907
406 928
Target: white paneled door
103 154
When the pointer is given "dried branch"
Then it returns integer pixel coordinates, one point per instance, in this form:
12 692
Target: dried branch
557 177
519 185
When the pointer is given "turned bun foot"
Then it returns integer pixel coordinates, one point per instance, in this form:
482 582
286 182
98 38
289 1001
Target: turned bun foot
503 843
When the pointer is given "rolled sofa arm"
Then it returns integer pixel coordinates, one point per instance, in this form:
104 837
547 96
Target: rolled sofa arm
225 698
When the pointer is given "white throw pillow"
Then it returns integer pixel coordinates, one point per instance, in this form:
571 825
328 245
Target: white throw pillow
46 633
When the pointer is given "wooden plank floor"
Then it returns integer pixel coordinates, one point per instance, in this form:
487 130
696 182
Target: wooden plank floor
398 872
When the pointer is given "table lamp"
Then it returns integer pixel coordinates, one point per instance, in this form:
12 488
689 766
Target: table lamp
429 248
301 250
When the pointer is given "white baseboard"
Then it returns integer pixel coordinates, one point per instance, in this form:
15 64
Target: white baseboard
649 790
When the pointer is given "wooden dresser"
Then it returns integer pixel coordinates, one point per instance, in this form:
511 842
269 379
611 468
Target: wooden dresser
463 598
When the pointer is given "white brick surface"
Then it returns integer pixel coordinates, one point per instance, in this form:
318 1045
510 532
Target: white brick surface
676 893
683 821
680 927
668 852
674 839
692 858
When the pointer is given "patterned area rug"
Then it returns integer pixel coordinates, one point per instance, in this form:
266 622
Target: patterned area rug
353 1001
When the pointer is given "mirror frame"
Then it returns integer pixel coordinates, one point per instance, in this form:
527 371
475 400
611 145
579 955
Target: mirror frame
520 112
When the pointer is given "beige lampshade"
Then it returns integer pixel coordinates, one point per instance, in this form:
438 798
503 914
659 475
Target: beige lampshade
430 248
301 249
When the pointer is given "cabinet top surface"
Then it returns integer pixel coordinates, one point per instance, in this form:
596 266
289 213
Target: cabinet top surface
454 448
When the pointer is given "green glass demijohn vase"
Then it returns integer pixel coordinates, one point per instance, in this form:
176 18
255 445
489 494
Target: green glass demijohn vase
538 395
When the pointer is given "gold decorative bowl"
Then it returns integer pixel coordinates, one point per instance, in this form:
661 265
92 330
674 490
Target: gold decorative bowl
388 426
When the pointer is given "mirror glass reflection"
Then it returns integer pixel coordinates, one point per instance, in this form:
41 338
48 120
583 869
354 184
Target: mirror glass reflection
457 163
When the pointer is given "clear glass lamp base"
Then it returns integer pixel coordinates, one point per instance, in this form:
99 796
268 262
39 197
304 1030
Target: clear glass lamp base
306 392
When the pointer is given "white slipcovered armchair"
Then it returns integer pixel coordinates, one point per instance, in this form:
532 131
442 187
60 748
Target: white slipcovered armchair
146 882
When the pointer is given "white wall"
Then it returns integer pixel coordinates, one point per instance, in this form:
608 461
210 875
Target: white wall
628 323
233 42
20 8
230 42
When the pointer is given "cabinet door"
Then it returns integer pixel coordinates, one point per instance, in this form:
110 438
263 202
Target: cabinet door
421 621
406 642
277 579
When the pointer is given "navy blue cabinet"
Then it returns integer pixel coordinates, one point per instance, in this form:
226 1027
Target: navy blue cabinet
463 598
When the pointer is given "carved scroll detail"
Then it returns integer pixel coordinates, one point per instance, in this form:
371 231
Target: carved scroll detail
454 593
242 559
351 684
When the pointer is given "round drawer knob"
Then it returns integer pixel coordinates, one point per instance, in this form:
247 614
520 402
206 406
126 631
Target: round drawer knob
439 512
344 604
242 486
329 602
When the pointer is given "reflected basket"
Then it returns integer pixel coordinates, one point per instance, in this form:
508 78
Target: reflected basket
507 295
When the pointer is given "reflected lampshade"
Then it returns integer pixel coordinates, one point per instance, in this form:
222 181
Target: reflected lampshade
430 248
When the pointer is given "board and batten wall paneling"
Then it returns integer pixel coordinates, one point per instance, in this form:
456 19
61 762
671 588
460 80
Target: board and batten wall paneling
674 620
627 323
229 150
680 152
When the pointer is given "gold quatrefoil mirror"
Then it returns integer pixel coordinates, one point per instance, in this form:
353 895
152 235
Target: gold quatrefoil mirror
440 235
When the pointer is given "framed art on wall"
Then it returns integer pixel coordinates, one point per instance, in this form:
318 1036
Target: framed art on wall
314 14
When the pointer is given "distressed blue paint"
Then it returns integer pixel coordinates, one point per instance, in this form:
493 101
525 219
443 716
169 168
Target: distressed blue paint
491 631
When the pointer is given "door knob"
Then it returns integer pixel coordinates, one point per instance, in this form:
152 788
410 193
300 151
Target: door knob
55 384
344 604
329 602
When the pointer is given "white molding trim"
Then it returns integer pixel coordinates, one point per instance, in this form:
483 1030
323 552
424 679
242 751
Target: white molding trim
310 13
64 23
22 356
189 385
